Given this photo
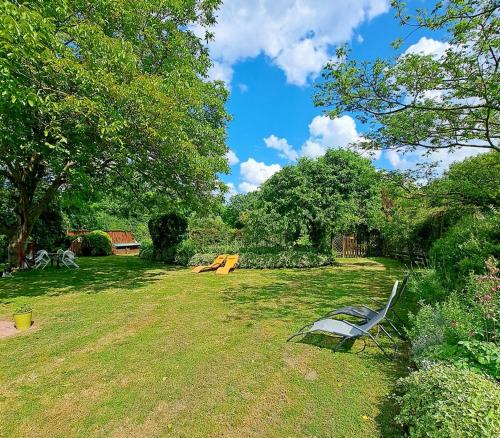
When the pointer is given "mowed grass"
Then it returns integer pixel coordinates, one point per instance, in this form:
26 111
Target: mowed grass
127 348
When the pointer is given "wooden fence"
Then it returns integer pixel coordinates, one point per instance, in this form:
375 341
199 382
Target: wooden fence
349 246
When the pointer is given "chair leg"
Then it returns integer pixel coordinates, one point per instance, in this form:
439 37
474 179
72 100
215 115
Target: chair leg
393 326
298 333
337 347
379 346
390 337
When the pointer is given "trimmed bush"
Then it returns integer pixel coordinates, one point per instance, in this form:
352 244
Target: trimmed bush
167 231
97 243
445 401
465 248
274 260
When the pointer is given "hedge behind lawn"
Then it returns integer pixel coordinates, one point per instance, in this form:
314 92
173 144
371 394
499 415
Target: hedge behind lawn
282 259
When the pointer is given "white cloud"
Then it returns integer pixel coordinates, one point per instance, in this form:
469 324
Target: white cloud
246 187
303 61
231 190
359 38
231 157
427 46
393 157
334 133
409 160
243 87
327 133
254 173
220 71
324 134
312 149
281 145
297 35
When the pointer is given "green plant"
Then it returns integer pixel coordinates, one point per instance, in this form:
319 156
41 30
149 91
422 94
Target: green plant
445 401
97 243
23 308
425 285
167 231
146 251
4 243
272 260
480 356
465 247
482 293
436 330
185 250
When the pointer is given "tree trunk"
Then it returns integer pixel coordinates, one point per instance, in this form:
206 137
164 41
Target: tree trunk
26 180
17 244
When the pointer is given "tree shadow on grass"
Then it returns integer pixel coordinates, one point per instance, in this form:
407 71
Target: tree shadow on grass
307 294
95 275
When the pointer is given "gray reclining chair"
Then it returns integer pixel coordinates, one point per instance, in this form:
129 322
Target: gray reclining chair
347 330
365 312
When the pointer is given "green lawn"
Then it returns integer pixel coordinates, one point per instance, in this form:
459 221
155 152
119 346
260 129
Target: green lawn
126 348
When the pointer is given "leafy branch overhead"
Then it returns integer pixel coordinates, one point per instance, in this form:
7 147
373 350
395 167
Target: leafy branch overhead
435 101
108 88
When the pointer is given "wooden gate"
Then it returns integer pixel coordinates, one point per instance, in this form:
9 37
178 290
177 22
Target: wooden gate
349 246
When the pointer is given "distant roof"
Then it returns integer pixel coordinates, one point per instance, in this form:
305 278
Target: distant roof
118 237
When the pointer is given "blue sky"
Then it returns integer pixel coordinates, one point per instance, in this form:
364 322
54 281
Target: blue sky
269 52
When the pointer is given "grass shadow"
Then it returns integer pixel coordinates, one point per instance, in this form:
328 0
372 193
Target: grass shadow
95 275
304 294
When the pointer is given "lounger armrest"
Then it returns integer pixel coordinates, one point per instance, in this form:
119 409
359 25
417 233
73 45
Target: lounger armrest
376 301
359 313
370 309
354 326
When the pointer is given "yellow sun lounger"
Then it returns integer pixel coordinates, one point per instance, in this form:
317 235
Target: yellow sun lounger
230 264
217 263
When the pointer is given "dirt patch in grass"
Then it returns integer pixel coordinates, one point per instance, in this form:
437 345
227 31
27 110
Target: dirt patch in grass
7 329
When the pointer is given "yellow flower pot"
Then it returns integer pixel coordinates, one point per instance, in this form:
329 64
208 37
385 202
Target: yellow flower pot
23 320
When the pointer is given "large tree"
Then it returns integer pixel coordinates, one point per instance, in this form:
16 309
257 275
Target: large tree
432 101
108 87
317 199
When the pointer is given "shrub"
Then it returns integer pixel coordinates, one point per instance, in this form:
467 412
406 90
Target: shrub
445 401
97 243
272 260
479 356
185 250
482 293
167 231
465 247
4 245
146 251
436 330
425 285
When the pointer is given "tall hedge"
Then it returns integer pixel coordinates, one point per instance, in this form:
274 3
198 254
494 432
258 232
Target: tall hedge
465 247
167 231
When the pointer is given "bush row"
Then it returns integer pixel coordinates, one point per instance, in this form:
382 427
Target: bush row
462 328
454 339
453 344
273 260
